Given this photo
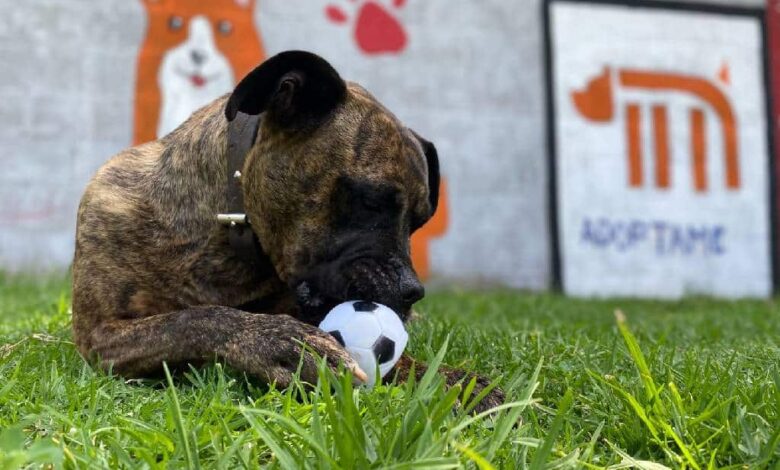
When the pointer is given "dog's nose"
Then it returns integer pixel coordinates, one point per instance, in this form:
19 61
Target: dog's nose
412 290
198 57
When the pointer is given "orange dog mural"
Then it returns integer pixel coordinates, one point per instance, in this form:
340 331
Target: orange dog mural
194 51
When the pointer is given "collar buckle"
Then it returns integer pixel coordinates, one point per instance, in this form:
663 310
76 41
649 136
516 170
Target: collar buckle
232 219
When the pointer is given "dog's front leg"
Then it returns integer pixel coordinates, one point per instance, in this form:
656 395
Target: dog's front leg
265 346
403 369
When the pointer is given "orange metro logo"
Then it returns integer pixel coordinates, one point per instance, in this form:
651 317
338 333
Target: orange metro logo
596 103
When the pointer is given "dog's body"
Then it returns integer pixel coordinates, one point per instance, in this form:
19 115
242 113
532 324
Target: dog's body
333 185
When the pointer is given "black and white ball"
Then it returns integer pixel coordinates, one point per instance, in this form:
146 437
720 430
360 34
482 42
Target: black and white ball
370 332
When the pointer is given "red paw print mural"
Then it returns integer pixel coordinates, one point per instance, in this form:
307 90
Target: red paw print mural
377 31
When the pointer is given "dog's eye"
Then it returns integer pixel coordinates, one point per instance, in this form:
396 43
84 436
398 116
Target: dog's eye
381 199
175 22
224 27
372 204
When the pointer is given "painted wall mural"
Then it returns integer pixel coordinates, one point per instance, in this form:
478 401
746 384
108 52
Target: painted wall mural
376 30
662 158
193 52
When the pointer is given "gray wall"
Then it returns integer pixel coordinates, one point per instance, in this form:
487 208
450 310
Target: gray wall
471 80
66 91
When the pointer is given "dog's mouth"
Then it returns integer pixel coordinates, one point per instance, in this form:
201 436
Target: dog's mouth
357 274
196 79
314 305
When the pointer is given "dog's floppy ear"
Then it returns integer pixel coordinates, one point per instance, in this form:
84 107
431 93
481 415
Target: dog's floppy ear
432 157
293 88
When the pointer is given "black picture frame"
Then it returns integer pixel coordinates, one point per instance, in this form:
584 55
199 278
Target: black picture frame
549 74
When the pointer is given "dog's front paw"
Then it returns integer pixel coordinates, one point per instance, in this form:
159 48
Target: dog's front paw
494 397
273 347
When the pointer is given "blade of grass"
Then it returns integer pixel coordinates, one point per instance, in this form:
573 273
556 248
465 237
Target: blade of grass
474 456
541 454
192 460
281 451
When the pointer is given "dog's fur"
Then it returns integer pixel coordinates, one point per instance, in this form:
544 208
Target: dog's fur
333 186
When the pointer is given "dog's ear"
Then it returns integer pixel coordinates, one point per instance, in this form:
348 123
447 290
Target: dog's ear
432 157
293 88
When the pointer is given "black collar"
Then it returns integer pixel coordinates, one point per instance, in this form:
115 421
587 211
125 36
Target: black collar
241 135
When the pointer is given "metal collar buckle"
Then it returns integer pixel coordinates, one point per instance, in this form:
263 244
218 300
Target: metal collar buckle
232 219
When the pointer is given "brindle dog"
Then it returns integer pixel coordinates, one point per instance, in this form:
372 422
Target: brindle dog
333 187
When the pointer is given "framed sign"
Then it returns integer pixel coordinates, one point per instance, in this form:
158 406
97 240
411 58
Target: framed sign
661 162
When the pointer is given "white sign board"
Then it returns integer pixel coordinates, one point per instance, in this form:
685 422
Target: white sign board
661 156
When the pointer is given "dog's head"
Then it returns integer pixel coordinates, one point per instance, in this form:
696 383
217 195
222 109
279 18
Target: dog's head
334 185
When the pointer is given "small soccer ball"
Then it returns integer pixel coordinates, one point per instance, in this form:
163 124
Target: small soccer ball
370 332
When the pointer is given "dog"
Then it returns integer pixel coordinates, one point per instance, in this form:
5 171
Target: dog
332 186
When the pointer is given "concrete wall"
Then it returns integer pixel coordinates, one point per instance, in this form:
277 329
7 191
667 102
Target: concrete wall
470 79
66 91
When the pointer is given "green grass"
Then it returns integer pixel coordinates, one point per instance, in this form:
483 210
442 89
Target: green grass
690 384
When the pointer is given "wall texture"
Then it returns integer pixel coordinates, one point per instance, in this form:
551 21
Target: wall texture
469 77
66 92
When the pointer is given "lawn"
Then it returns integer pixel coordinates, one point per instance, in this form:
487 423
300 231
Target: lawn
690 384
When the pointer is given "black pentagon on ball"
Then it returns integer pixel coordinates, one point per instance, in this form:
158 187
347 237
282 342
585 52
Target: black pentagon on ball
384 349
364 306
337 334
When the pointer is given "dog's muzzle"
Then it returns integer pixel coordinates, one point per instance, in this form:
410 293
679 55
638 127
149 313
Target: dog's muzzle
390 282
